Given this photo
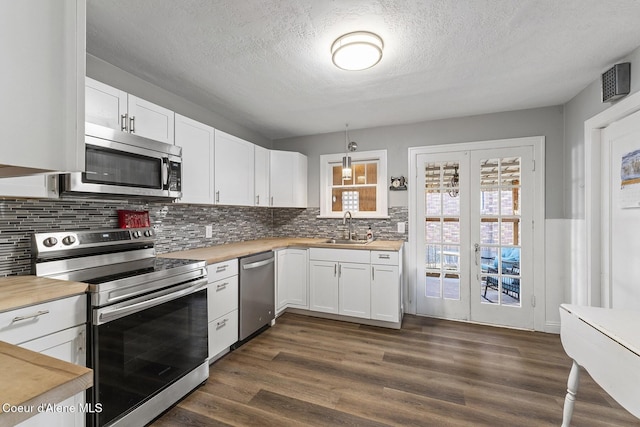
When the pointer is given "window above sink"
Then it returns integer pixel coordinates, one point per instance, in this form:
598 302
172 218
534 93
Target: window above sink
364 194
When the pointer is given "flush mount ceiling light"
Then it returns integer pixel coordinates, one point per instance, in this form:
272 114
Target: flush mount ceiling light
357 51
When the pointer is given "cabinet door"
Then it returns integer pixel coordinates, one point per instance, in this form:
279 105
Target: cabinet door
282 279
104 105
281 178
298 283
261 179
385 293
150 120
355 290
196 140
291 279
42 85
68 345
323 286
233 170
300 181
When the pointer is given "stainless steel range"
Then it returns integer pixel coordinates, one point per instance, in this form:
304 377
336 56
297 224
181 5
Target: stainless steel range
148 338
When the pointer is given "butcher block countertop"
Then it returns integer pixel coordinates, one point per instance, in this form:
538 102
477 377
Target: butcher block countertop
31 381
218 253
21 291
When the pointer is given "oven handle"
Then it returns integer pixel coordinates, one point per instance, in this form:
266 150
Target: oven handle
109 315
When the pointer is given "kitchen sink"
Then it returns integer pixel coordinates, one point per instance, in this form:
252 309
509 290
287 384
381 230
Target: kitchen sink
348 242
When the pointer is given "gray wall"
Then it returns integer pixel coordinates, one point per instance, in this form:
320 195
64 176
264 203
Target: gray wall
582 107
547 121
113 76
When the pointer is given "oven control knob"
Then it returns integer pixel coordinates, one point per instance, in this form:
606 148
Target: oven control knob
148 233
136 234
50 241
69 240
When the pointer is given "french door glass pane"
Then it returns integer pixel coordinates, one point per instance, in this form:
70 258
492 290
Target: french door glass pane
442 230
500 231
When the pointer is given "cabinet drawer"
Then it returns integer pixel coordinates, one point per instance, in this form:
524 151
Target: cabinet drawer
384 257
222 297
340 255
223 332
223 269
27 323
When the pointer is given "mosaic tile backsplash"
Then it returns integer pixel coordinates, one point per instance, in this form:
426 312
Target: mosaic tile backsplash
178 227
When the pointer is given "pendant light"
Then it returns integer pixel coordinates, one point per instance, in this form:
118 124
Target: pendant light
454 184
346 160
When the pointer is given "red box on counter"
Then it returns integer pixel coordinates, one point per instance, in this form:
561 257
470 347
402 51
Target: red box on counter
133 219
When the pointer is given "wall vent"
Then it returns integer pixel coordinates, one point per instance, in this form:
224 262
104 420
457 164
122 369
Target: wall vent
616 82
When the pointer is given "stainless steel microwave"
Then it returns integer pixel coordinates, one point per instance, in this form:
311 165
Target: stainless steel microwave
125 165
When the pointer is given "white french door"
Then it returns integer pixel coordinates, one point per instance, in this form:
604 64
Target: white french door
474 252
501 218
443 252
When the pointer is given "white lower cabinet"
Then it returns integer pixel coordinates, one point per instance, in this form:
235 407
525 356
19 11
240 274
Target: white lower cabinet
356 283
386 286
385 293
355 290
339 281
58 329
323 286
68 345
222 307
291 279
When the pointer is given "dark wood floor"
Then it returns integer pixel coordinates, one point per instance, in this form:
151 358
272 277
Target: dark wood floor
309 371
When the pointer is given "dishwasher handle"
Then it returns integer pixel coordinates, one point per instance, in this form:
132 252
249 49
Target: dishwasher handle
258 264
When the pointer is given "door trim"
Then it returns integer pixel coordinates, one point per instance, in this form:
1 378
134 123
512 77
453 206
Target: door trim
591 290
539 265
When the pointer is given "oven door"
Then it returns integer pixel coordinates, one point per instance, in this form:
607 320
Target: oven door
142 346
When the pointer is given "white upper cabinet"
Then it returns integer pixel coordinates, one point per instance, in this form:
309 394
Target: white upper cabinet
105 105
196 140
113 108
234 170
150 120
42 86
261 179
288 183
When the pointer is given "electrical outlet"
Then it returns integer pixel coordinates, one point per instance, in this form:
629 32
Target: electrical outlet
208 231
401 227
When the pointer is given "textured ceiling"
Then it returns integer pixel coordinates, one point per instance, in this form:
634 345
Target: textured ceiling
266 65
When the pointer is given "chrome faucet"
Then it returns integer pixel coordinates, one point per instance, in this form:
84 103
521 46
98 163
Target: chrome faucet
344 221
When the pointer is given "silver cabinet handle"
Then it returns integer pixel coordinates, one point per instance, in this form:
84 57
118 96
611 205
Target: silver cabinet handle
271 200
31 316
340 270
221 286
221 323
373 273
335 269
258 199
132 124
221 268
477 251
384 256
123 123
217 196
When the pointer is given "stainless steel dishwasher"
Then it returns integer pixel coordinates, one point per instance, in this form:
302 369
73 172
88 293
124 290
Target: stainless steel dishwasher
257 293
